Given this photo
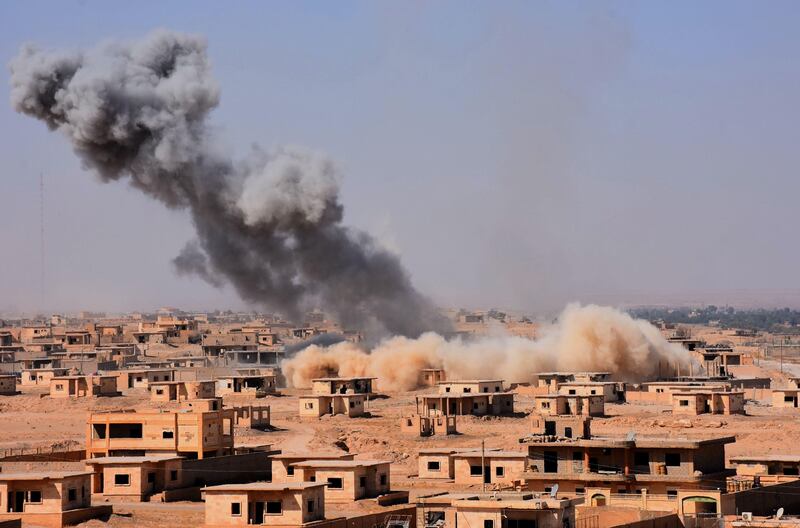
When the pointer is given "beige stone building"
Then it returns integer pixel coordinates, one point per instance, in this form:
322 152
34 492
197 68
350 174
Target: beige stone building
785 398
767 469
40 376
495 510
355 385
283 464
607 389
164 391
257 385
489 467
561 426
263 503
565 405
193 434
8 384
428 425
141 378
702 402
431 377
83 386
134 478
438 463
347 480
314 406
252 416
51 499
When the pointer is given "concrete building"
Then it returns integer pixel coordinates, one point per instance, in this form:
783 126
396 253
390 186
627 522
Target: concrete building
607 389
563 404
476 397
53 499
499 467
283 463
164 391
141 378
252 417
83 386
347 480
785 398
8 385
257 385
314 406
626 465
134 478
40 376
428 425
355 385
431 377
286 504
699 402
192 434
561 426
218 344
495 510
768 469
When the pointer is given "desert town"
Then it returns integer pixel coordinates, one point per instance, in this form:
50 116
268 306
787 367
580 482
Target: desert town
125 420
451 264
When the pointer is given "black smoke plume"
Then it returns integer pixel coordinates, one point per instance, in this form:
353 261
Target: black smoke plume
271 224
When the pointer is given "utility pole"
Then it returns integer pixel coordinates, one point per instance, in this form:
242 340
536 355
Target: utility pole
41 241
483 466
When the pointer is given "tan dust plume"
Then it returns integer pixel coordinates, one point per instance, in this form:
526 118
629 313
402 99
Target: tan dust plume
584 338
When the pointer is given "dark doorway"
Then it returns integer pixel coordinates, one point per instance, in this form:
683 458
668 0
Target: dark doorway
487 475
258 513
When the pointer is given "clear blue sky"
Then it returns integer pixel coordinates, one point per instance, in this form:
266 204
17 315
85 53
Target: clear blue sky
518 155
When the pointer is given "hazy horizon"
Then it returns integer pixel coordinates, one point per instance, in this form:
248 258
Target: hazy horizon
516 155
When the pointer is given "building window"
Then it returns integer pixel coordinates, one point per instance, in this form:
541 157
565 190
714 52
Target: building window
236 509
362 482
641 458
309 405
572 392
672 493
577 456
684 403
290 470
352 404
467 389
167 434
335 483
310 506
274 507
488 523
580 491
383 479
568 432
72 494
173 475
475 470
672 459
59 386
545 405
550 462
35 497
433 466
151 478
122 479
499 471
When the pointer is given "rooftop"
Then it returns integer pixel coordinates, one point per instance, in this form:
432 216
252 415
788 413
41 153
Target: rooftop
131 459
346 379
765 458
265 486
343 464
312 455
52 475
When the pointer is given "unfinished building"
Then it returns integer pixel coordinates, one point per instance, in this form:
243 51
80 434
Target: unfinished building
192 434
701 402
283 469
347 480
256 385
355 385
563 404
315 405
506 509
428 425
264 503
165 391
83 386
475 397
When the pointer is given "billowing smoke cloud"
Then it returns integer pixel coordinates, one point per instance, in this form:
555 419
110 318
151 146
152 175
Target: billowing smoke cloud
271 224
585 338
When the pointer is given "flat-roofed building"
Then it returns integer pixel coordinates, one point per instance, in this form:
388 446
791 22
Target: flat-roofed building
134 478
83 386
700 402
347 480
192 434
164 391
284 504
607 389
431 377
564 404
257 385
661 465
141 378
40 376
50 499
428 425
499 467
316 405
283 463
561 426
505 509
786 398
252 416
475 397
353 385
8 384
767 469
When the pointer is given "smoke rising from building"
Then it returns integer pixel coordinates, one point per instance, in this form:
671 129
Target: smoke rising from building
584 338
271 225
